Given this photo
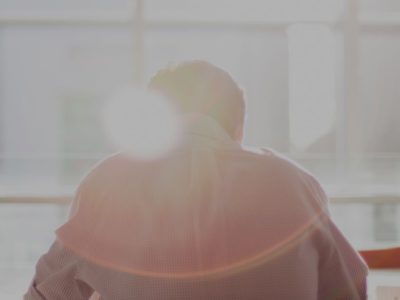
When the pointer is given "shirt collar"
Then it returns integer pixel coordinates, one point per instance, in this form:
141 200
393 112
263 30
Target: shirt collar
202 130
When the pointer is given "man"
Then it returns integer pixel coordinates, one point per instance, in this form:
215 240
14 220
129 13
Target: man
208 220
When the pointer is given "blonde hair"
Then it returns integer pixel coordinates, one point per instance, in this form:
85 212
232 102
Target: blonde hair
199 86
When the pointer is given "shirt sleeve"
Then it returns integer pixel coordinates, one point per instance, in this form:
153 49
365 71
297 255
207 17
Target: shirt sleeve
342 272
57 277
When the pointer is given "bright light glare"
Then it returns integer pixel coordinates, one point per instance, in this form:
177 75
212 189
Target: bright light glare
141 122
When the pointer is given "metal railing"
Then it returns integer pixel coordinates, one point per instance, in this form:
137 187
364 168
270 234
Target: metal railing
65 199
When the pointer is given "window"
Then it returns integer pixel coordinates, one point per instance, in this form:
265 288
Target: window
320 78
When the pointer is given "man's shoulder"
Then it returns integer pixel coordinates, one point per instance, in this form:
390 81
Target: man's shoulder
276 160
268 162
111 166
116 162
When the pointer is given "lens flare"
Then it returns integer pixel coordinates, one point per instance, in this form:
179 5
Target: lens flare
141 122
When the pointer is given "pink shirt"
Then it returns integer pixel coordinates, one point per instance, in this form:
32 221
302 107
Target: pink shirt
210 220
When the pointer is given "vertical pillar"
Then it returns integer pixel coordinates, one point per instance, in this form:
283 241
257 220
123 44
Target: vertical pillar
138 39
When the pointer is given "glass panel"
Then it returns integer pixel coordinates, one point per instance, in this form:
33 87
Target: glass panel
380 90
257 60
26 232
376 225
375 166
314 53
312 88
54 82
379 6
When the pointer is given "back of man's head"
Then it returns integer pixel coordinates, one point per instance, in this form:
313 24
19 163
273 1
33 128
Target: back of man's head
200 87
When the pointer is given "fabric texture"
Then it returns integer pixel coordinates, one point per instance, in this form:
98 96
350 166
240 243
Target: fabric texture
210 220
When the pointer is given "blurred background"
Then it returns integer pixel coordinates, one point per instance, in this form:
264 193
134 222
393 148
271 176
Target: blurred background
322 80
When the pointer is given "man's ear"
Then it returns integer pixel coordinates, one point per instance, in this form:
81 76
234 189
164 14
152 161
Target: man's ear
239 134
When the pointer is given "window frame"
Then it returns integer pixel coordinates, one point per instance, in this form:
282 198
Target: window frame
352 23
